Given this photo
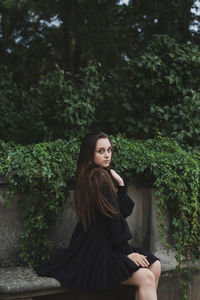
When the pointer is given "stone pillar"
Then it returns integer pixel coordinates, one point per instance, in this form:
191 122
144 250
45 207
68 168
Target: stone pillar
10 226
66 222
143 223
167 256
140 219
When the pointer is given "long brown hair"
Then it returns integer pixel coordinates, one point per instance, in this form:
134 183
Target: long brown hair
93 184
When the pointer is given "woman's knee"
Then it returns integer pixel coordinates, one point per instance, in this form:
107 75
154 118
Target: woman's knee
148 278
142 277
156 268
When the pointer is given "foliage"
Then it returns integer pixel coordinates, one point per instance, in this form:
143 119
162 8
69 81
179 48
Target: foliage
159 89
68 107
19 115
58 107
43 172
36 35
142 20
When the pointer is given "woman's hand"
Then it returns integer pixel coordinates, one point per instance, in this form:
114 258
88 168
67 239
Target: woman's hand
139 259
117 177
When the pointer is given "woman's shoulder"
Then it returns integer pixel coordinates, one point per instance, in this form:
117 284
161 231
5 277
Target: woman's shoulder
100 175
101 179
96 170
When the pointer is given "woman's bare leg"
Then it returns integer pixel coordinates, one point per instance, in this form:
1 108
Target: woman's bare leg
156 269
144 280
136 294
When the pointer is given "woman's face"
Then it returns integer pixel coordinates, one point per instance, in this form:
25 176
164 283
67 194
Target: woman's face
103 152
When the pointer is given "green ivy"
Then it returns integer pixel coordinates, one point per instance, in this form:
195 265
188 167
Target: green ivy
42 173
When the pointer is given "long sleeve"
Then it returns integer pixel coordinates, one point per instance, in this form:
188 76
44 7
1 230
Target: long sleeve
117 225
126 204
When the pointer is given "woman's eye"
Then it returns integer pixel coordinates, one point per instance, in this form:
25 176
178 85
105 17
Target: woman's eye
100 151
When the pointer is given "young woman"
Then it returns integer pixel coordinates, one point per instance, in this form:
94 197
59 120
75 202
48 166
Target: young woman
99 256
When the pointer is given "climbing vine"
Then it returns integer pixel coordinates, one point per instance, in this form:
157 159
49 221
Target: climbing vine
42 174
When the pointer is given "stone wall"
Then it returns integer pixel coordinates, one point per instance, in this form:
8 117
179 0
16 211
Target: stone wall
142 223
10 227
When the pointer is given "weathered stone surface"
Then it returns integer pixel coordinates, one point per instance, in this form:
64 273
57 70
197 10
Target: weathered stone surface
10 227
64 227
143 224
140 220
167 257
169 287
16 280
195 286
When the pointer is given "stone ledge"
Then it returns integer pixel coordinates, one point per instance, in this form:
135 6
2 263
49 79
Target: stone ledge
19 279
20 283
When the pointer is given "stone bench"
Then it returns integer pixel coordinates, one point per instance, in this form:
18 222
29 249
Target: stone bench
23 283
19 283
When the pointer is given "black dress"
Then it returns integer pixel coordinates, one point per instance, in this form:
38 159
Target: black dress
97 259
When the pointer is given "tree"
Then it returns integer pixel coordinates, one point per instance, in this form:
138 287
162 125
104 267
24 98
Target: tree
37 35
32 45
142 20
